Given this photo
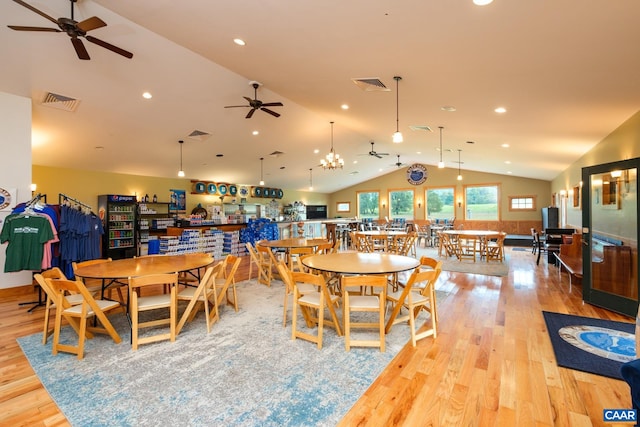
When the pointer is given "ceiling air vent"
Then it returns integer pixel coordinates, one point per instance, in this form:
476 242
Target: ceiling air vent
199 135
60 102
371 84
421 127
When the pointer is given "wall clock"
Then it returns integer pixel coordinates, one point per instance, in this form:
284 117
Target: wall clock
416 174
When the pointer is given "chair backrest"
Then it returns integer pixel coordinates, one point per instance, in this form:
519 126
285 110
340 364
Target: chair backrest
152 279
267 254
61 287
252 252
430 262
286 276
312 279
356 283
324 248
424 279
230 265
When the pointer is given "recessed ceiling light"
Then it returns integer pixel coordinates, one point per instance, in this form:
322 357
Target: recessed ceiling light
509 172
418 152
448 108
147 95
239 42
505 145
344 106
500 110
482 2
355 161
508 162
316 151
255 132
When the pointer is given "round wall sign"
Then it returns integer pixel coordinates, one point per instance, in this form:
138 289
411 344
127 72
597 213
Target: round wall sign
416 174
5 199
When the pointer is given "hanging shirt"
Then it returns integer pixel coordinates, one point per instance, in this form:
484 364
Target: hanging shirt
26 235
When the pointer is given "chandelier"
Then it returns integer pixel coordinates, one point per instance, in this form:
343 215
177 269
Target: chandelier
332 160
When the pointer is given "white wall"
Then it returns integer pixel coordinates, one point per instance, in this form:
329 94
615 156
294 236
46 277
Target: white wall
15 167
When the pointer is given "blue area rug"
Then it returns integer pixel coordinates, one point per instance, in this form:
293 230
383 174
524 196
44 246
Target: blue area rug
247 372
591 345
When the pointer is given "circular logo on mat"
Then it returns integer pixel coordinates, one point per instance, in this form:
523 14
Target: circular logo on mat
603 342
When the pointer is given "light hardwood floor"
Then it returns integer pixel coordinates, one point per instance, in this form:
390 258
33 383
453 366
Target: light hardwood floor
491 365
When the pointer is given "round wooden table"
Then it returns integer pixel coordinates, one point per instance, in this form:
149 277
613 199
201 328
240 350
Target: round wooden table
294 242
131 267
361 263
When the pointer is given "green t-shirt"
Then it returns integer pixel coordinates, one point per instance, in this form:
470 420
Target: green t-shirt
26 235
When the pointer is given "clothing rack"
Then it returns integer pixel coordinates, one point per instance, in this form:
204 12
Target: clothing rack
40 302
64 198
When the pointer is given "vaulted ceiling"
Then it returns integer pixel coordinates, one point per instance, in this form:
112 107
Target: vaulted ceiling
565 71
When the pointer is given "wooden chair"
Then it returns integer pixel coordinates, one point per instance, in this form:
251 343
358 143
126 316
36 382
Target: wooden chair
204 294
139 304
225 281
56 274
266 263
294 257
97 287
447 245
415 300
314 303
354 301
468 248
77 315
287 278
254 258
494 250
325 248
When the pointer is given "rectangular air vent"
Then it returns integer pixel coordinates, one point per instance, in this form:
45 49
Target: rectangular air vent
371 84
421 127
199 135
60 102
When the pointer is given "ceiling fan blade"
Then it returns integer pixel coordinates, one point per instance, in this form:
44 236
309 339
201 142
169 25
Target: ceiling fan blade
250 113
249 100
273 113
91 24
273 104
377 155
22 28
238 106
39 12
81 51
383 154
110 47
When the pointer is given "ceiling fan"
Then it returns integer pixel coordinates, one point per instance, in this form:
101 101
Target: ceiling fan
398 164
374 153
74 29
256 104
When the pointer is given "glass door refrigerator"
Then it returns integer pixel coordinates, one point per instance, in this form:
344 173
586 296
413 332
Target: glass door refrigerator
119 216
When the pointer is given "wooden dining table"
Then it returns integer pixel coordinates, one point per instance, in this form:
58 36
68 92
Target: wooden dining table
361 263
120 270
290 243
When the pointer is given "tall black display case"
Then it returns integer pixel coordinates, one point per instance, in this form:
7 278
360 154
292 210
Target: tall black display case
550 218
119 216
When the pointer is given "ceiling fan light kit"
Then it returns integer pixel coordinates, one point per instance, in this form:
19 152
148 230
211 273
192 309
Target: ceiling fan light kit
74 30
397 135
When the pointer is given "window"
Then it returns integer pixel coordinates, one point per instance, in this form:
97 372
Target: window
482 202
343 207
401 204
522 203
440 203
368 204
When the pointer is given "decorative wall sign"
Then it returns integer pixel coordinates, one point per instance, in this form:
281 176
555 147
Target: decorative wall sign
7 198
212 188
416 174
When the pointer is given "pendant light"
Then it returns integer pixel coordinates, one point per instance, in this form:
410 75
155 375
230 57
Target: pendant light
397 136
332 160
181 171
310 179
459 163
440 163
261 178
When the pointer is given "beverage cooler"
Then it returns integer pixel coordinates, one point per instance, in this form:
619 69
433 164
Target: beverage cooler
118 214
